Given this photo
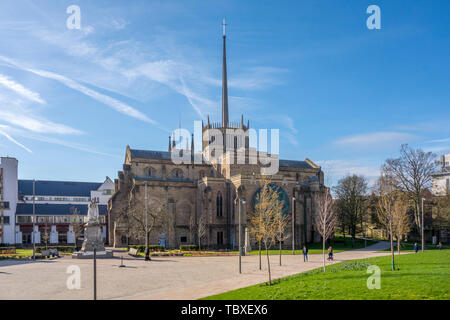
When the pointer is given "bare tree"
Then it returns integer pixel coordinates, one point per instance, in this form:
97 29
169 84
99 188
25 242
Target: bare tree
201 230
192 228
325 218
268 214
256 230
412 172
402 221
137 226
351 193
77 223
282 234
385 189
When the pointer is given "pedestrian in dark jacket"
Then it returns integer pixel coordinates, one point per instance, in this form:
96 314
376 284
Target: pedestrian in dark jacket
416 247
305 254
330 253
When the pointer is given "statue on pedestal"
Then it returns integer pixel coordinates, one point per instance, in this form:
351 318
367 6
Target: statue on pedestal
93 239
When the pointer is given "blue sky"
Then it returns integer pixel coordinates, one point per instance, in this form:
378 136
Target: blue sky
342 95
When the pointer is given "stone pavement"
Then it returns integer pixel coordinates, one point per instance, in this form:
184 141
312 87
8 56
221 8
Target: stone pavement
162 278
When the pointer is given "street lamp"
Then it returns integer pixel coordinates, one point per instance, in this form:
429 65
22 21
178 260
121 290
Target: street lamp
423 227
34 218
147 255
293 225
240 200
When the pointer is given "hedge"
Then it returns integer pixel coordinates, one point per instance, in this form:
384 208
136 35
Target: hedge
68 249
189 247
141 247
7 250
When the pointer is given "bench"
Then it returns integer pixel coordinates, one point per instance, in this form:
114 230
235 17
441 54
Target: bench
133 252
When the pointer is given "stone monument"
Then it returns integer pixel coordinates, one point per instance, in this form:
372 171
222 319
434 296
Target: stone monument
93 238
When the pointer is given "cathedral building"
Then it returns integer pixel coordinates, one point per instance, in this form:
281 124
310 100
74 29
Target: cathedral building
207 192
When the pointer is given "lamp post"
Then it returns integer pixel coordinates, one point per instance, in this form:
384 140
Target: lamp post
423 227
293 225
34 218
95 273
240 200
147 256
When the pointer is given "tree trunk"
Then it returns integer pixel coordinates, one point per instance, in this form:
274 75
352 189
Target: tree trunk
259 245
398 245
392 246
280 253
268 265
323 251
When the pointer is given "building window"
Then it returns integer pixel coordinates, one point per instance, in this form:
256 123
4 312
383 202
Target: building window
24 219
4 205
219 204
220 238
177 173
150 172
62 237
183 239
5 220
26 237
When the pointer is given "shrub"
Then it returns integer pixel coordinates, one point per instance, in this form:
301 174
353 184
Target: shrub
189 247
7 250
141 247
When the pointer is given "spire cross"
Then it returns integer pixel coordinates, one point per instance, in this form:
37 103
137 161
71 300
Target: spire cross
224 26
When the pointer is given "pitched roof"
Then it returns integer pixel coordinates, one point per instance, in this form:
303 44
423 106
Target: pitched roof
295 164
56 209
57 188
150 154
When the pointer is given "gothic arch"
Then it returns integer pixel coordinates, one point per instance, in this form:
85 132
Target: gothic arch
219 204
177 173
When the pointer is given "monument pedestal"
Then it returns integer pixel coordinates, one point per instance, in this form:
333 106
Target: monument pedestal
93 241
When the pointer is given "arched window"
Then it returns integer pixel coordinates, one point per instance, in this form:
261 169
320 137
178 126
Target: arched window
219 204
177 173
150 172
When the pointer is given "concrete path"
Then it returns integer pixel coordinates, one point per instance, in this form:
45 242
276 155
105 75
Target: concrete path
162 278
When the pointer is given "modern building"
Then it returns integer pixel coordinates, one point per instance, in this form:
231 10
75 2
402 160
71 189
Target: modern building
211 191
8 198
441 179
59 207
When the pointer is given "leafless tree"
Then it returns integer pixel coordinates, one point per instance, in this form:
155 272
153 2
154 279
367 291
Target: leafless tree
265 222
412 172
282 234
402 221
201 229
386 192
192 228
351 192
138 227
325 218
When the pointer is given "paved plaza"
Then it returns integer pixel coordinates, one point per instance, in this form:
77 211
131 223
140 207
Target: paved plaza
162 278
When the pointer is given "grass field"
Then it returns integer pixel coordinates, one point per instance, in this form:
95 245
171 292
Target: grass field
420 276
338 246
410 247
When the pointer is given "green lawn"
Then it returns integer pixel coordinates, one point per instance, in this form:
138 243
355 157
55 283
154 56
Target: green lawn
420 276
410 247
338 246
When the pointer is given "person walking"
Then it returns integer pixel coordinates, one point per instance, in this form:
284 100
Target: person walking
440 245
330 253
416 247
305 254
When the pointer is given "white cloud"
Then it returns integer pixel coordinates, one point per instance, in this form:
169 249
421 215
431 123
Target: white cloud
107 100
20 89
375 140
12 139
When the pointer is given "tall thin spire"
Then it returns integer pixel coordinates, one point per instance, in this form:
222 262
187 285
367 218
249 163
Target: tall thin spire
224 81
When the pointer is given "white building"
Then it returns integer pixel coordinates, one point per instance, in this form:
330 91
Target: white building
441 180
8 198
59 207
